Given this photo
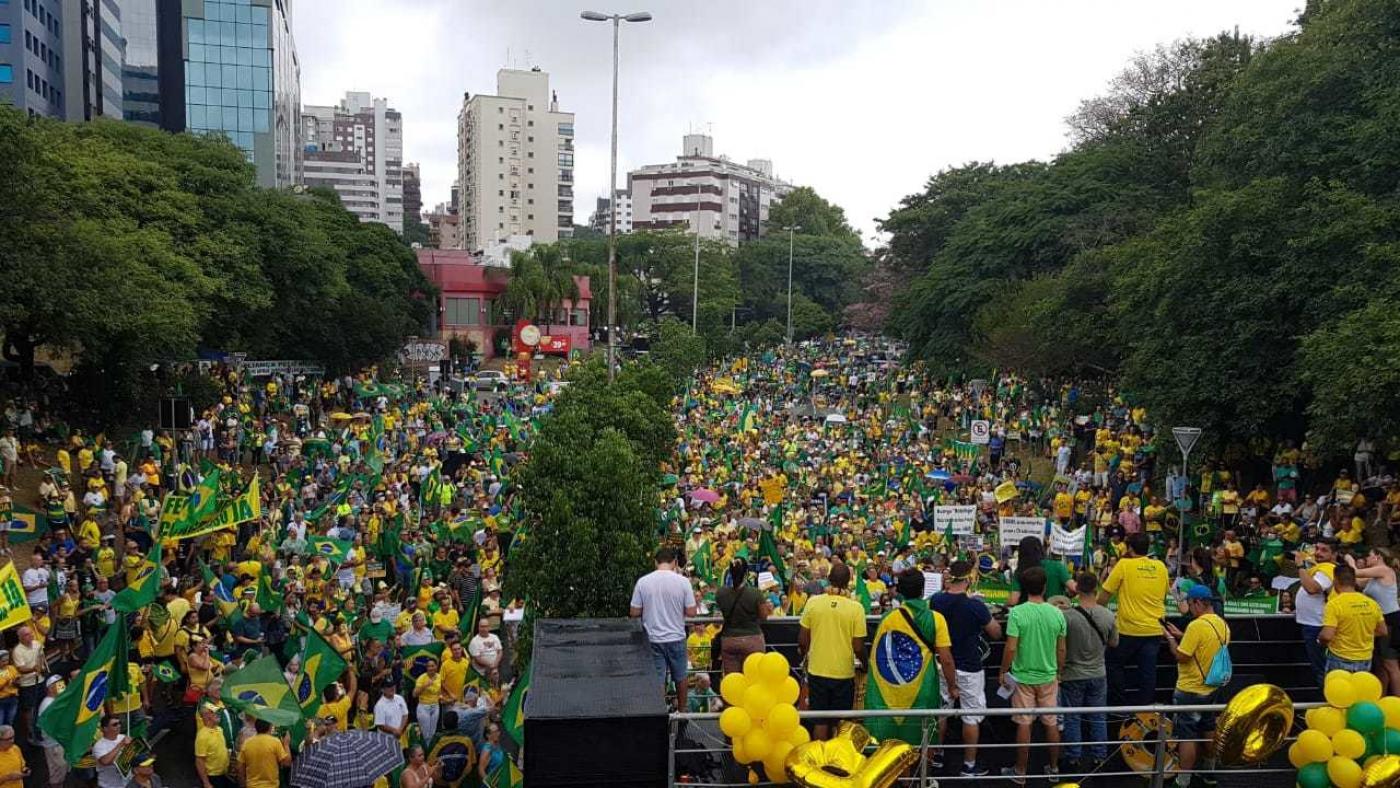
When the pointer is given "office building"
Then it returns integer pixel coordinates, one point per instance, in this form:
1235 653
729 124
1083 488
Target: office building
93 49
700 192
412 194
32 56
599 220
237 63
145 100
356 148
515 162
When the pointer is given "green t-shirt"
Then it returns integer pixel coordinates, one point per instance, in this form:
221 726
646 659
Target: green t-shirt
1037 627
1056 578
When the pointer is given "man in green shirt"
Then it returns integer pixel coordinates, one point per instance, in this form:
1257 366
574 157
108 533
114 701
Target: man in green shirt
1035 653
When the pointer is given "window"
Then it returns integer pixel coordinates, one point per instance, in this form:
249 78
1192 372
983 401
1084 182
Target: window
463 311
7 74
578 317
4 34
566 160
566 129
529 139
530 216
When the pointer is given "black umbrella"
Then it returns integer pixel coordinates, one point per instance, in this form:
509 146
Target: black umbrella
353 759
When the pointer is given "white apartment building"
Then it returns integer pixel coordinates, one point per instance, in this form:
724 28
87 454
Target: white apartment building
356 148
599 220
703 193
515 162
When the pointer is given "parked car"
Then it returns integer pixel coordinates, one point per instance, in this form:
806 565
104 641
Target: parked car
490 380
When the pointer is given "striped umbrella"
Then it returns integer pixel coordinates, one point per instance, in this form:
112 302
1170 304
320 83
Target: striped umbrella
353 759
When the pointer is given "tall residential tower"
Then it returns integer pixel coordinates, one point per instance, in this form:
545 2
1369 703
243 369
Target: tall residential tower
356 148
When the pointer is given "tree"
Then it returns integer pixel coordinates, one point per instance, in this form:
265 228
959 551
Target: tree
677 349
806 210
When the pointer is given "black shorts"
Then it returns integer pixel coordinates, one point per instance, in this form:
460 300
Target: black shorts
824 694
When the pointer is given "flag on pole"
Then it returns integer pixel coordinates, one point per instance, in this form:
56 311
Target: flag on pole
507 775
748 419
768 548
14 604
270 601
334 550
183 516
74 716
321 665
142 591
260 690
862 592
513 713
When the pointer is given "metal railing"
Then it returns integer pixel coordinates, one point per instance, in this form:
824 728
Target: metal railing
717 747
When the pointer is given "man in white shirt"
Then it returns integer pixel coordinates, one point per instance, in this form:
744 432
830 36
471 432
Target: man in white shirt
1315 581
106 750
390 711
36 580
485 650
662 599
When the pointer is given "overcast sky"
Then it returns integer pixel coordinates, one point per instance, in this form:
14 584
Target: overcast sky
861 100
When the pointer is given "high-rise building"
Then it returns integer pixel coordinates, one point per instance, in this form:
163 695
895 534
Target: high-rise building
32 56
701 192
599 220
149 97
356 148
515 162
94 51
444 227
230 67
412 194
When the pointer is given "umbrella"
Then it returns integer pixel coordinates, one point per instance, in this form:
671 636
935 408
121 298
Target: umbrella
836 418
341 416
353 759
706 496
820 373
669 480
755 524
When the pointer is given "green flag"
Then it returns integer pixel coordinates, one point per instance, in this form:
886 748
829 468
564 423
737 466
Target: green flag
905 674
75 715
321 665
260 689
334 550
270 601
415 660
183 516
862 592
142 591
507 775
703 563
768 548
513 713
471 610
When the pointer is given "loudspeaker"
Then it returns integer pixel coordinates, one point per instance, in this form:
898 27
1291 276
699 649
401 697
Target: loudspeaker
176 414
595 714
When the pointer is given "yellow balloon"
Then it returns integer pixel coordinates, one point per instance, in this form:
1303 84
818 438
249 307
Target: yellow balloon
1366 686
1338 690
1254 724
1381 772
781 719
1314 746
1328 720
732 687
1344 772
751 663
799 736
757 701
773 668
1295 756
1391 706
840 762
789 691
757 743
753 777
734 722
741 755
776 762
1348 744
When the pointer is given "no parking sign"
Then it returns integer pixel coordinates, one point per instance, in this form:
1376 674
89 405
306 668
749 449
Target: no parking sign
981 431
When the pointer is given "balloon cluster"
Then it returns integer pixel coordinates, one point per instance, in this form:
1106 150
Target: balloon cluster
762 719
1354 741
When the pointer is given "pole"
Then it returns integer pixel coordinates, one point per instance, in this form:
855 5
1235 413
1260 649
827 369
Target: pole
789 299
612 221
1181 521
695 291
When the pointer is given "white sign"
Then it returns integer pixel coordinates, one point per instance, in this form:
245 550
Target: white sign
933 583
962 519
260 368
1066 542
981 431
1014 529
767 581
1186 438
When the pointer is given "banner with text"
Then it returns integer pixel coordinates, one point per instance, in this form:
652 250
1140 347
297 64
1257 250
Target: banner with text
1014 529
1066 542
961 518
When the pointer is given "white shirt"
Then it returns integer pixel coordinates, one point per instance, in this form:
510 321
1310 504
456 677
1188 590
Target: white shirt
486 650
390 711
663 596
1308 607
108 776
36 576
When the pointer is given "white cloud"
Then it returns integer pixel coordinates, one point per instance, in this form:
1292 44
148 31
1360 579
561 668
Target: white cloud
861 100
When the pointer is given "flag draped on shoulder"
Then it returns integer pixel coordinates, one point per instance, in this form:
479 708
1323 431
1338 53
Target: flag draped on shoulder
75 715
14 604
903 670
260 690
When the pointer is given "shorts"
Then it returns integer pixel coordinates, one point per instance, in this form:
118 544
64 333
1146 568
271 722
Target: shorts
1036 696
824 694
972 694
669 659
1193 724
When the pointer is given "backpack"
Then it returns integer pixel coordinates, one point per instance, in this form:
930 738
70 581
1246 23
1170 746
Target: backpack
1222 669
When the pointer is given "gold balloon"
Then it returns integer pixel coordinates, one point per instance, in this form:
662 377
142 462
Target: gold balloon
1383 772
840 762
1253 725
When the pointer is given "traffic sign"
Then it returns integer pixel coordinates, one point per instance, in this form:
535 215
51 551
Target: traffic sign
1186 438
981 431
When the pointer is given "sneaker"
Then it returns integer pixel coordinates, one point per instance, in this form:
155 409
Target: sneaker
1052 774
974 770
1014 776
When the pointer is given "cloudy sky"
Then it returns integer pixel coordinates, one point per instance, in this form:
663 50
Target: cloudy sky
860 99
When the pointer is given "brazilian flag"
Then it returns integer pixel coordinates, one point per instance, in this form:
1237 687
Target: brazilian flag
513 713
415 659
903 671
507 775
334 550
142 591
321 665
75 715
260 690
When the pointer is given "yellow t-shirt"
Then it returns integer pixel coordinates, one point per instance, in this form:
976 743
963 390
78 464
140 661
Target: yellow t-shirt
12 762
262 758
446 620
106 562
454 676
1355 616
833 621
431 687
1141 586
1203 637
1064 505
339 709
9 675
209 744
132 700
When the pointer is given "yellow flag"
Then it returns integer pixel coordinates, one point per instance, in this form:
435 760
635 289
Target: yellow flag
14 605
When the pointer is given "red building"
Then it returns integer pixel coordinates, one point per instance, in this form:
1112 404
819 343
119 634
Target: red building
468 308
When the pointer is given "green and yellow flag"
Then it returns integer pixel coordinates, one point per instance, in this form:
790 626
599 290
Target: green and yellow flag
14 604
513 713
260 690
415 659
241 509
184 516
142 591
321 665
334 550
507 775
75 715
903 670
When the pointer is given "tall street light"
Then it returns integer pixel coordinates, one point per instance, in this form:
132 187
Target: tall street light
695 291
791 229
617 20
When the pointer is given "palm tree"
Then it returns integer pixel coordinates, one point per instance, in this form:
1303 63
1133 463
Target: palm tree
557 283
541 280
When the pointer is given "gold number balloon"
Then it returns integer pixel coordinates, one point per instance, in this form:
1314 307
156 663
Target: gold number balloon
841 763
1384 772
1253 725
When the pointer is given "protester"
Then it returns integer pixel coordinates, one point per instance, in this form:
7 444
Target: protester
1315 581
109 747
1030 667
1091 629
663 599
13 770
211 751
968 619
261 757
831 637
1140 583
1351 624
1195 653
743 608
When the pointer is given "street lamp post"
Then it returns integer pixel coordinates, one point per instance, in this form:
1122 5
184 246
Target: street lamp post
791 229
617 20
695 289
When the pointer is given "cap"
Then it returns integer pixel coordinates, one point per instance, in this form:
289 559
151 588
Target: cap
52 680
1200 591
146 760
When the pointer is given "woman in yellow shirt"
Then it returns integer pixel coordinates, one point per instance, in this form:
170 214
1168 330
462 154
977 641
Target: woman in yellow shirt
428 690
